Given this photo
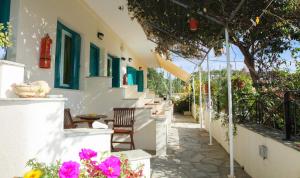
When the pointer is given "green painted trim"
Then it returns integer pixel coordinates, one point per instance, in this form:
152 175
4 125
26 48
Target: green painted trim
94 60
76 48
4 11
116 71
140 80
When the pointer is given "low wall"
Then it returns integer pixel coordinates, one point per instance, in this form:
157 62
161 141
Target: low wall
33 128
282 161
137 158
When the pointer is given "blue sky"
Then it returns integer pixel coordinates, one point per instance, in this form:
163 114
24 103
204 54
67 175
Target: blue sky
220 62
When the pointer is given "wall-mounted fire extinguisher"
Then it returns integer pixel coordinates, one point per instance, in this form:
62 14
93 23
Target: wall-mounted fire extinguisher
45 53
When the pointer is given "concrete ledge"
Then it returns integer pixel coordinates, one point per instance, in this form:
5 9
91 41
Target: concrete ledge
138 158
92 77
130 99
33 99
86 132
12 63
134 155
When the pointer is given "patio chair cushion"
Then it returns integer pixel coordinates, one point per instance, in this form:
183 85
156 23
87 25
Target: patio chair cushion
99 125
122 131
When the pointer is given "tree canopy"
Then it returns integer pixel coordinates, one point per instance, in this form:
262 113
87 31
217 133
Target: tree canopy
262 30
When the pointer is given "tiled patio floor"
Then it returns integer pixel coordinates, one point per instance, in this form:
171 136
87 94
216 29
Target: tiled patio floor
190 156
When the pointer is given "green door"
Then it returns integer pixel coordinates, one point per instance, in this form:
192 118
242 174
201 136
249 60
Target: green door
140 80
131 75
4 10
94 60
115 72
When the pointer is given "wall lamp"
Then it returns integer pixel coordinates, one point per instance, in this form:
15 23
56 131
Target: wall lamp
100 35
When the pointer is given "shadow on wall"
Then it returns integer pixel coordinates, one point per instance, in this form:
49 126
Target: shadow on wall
34 27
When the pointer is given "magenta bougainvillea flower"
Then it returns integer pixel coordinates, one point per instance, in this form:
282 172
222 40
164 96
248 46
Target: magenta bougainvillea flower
87 154
69 169
111 167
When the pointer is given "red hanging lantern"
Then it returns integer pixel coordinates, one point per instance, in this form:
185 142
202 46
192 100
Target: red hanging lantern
193 24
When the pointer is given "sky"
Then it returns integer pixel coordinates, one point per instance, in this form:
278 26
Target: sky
217 63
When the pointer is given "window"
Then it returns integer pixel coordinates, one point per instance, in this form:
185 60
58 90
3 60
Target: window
67 58
109 68
4 10
94 60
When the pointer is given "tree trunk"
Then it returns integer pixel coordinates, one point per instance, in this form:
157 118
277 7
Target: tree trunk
249 62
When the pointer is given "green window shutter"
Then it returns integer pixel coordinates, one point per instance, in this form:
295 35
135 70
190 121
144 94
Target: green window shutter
140 80
94 60
116 73
58 55
76 65
73 71
4 11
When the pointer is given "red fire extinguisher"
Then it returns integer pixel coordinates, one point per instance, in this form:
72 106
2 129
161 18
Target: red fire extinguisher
45 54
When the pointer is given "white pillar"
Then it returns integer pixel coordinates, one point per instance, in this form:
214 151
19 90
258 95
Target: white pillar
170 86
209 101
229 105
189 97
200 99
194 97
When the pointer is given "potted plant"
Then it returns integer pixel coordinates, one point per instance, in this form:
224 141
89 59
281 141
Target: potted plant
5 39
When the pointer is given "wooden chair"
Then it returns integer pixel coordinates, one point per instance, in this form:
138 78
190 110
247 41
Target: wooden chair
123 124
69 123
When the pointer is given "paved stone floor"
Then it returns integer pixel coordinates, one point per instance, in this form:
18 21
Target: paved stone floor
190 156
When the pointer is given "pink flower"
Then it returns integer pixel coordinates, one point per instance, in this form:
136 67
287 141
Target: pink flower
111 167
87 154
69 170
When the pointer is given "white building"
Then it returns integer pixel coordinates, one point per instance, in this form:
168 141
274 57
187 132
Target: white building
93 45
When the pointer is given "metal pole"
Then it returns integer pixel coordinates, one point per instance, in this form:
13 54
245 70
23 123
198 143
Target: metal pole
200 98
287 118
209 101
229 105
194 98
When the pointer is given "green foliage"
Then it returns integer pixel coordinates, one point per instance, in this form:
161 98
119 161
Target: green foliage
160 85
157 82
178 85
49 171
166 23
263 105
182 104
5 35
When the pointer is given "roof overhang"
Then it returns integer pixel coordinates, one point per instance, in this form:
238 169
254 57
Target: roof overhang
173 69
130 31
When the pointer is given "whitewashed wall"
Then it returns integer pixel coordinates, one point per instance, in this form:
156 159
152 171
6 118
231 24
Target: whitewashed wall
10 73
35 18
33 128
282 161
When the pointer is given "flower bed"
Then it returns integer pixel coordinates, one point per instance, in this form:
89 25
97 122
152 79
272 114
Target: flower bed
89 167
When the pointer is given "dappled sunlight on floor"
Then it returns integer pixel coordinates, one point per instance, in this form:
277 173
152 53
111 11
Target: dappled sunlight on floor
190 156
